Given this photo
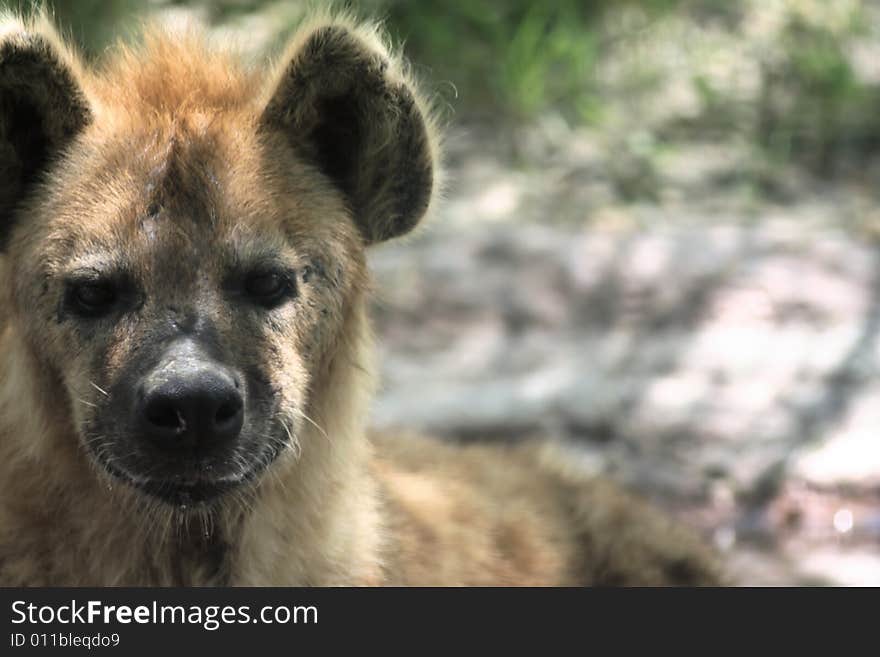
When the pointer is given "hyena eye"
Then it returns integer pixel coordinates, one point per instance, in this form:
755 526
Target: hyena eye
269 288
91 299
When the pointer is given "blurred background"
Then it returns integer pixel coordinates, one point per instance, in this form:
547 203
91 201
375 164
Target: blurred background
659 245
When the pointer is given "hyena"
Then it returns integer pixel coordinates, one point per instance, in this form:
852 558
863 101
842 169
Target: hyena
185 356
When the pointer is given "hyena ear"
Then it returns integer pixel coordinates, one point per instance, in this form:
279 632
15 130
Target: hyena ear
42 107
345 103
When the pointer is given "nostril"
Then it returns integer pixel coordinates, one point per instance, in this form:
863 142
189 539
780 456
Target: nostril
226 412
190 408
166 415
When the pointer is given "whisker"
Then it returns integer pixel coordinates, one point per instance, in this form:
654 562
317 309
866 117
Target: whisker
99 388
305 417
292 442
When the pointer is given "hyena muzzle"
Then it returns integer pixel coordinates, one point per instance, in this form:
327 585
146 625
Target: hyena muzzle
184 352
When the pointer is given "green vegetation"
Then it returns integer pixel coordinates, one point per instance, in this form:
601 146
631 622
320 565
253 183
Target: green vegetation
814 107
93 23
514 57
593 61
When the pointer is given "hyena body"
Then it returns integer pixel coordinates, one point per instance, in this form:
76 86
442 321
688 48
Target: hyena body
185 360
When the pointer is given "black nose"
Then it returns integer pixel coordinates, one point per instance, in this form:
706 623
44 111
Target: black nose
191 406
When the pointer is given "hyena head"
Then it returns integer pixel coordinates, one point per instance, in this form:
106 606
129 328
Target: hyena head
184 237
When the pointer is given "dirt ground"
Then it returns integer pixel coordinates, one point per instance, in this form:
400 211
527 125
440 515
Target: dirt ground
721 357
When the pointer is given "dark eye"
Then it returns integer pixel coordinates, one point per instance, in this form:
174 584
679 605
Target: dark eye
268 288
91 299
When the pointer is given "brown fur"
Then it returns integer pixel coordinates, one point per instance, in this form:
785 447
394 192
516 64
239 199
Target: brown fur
171 167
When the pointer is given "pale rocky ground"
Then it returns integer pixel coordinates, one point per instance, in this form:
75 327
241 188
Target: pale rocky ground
719 357
707 344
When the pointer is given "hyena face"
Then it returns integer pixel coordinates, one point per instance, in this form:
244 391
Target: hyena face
184 240
183 316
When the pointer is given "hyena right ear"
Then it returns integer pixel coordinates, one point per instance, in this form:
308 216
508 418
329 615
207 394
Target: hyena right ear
42 107
346 104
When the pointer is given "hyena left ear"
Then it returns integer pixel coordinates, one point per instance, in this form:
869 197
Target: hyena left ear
42 108
346 104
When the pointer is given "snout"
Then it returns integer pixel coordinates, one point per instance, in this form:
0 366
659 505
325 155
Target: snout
190 403
186 424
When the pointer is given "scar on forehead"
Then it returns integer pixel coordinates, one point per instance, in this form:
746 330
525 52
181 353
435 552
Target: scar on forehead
180 174
154 206
148 226
149 221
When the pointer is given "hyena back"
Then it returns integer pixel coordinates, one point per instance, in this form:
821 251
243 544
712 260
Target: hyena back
185 359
